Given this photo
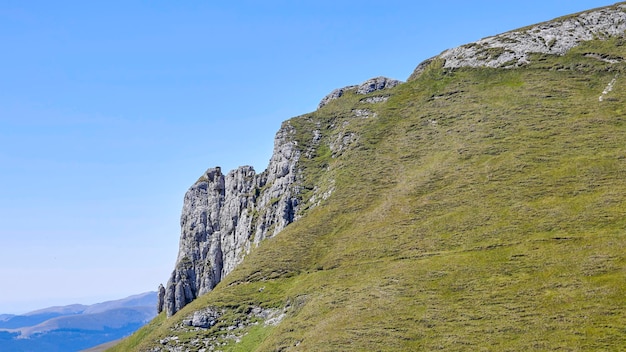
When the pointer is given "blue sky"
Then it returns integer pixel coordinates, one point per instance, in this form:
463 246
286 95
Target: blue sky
110 110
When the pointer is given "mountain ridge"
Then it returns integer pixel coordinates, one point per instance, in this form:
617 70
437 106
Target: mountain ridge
556 37
432 216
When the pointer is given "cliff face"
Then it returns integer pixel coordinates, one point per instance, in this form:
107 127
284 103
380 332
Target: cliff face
225 215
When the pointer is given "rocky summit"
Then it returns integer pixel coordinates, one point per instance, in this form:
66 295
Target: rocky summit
555 37
477 206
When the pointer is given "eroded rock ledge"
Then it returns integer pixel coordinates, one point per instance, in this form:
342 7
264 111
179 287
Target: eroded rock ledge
371 85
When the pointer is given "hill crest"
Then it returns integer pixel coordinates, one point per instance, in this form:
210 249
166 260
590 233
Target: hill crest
473 206
555 37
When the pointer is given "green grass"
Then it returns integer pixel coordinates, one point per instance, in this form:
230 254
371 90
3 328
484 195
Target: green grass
482 209
142 338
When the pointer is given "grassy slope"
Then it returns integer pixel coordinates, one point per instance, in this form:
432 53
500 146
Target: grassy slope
482 209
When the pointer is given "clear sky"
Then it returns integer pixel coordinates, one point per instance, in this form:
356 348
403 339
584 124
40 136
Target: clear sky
110 110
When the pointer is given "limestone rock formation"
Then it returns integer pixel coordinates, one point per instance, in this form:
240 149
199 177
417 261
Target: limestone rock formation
337 93
555 37
204 318
224 216
160 298
374 84
371 85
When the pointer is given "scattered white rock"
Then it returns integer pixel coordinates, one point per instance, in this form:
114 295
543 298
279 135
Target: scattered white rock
608 88
374 100
364 113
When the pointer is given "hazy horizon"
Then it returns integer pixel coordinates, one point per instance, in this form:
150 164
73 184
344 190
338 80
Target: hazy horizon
91 301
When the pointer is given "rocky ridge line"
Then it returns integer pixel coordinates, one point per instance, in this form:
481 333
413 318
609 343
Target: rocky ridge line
557 37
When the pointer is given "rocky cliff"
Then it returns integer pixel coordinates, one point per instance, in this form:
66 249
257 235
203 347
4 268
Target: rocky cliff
557 37
224 216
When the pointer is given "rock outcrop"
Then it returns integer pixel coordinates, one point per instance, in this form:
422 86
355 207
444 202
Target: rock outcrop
204 318
369 86
225 215
556 37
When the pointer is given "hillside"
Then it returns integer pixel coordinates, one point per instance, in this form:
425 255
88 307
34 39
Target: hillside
478 206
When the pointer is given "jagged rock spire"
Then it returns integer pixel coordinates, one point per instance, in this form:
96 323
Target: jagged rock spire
223 216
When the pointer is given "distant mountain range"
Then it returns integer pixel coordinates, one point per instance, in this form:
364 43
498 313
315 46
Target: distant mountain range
76 327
